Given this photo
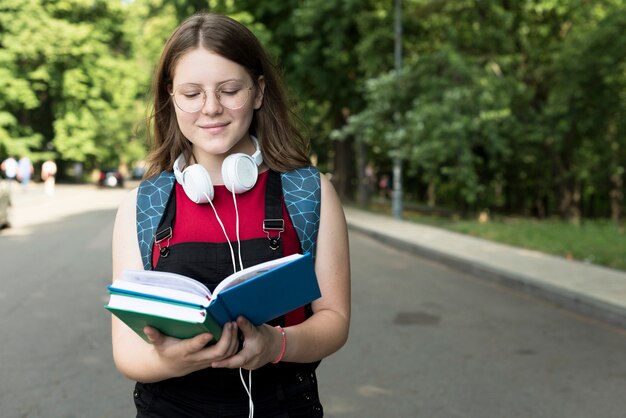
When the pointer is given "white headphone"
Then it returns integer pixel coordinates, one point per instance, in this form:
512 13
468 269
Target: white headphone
239 173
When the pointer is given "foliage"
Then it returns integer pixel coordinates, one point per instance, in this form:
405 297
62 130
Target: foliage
517 107
319 45
507 106
71 63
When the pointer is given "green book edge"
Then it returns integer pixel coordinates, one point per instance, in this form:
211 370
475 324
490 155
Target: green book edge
168 326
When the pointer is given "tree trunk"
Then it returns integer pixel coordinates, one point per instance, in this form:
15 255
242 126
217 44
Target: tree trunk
569 201
363 177
617 198
432 194
343 163
568 188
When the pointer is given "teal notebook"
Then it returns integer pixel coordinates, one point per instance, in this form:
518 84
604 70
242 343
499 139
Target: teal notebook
182 307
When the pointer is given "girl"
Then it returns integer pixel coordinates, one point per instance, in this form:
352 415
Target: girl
223 126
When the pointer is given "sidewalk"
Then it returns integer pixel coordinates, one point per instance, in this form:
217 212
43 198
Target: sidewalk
592 290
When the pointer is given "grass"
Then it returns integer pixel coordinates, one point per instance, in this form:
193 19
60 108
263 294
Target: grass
598 242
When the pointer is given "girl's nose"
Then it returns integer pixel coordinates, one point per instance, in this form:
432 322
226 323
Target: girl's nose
212 104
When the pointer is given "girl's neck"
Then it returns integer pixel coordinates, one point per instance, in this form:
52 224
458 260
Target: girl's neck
213 162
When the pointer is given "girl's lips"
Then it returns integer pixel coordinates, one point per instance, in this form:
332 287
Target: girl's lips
214 127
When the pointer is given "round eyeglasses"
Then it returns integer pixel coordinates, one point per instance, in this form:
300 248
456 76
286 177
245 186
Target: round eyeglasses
191 98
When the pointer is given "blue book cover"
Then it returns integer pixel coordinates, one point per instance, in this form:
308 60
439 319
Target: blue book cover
269 294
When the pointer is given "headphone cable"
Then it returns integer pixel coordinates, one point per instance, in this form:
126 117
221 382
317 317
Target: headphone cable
237 228
232 253
248 387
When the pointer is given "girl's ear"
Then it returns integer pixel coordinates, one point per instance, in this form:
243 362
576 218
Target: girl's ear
258 99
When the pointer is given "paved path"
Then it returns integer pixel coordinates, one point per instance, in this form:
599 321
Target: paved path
593 290
385 383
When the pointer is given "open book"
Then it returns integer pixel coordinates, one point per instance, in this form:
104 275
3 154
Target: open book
182 307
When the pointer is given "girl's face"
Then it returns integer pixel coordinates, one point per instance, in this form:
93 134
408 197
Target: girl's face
214 130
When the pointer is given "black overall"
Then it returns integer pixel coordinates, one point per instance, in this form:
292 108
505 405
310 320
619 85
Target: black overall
281 390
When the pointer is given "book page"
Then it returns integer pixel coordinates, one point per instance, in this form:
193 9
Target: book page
141 289
156 308
253 271
166 280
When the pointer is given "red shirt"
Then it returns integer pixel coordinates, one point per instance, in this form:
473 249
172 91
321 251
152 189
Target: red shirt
197 223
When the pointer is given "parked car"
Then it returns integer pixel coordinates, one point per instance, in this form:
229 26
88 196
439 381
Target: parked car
5 204
138 172
110 178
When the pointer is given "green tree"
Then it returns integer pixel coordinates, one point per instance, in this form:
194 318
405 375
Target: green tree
506 105
77 84
587 107
323 48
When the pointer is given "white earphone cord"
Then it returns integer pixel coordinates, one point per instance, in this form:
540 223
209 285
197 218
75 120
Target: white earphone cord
248 387
232 253
237 228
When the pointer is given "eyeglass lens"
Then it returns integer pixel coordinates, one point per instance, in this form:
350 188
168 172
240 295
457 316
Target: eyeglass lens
192 97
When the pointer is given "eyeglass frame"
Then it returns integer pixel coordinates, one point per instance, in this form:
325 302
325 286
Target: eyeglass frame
204 93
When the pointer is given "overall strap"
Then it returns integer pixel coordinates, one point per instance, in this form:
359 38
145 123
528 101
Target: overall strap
302 193
273 223
152 197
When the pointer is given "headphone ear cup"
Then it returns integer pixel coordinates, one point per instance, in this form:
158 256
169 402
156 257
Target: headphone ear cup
197 184
177 173
239 172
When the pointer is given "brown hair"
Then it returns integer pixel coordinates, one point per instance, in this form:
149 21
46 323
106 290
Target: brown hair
282 144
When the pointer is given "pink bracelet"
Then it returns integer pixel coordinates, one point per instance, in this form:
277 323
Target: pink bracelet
284 347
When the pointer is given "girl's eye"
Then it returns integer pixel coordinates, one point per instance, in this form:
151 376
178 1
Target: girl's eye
191 94
229 92
229 89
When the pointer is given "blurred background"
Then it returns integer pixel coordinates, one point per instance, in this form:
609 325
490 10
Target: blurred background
501 119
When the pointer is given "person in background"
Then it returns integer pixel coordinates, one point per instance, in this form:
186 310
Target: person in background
25 171
9 168
218 96
48 174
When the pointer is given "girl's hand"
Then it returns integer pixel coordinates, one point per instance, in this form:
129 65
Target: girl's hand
261 345
185 356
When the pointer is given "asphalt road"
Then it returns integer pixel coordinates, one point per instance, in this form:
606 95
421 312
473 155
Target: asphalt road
426 340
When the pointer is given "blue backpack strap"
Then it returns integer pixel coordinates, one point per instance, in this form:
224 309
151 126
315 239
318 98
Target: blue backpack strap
302 193
152 197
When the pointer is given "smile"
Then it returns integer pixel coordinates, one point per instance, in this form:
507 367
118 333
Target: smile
213 127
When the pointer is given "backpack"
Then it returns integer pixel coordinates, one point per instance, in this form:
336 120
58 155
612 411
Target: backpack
301 191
